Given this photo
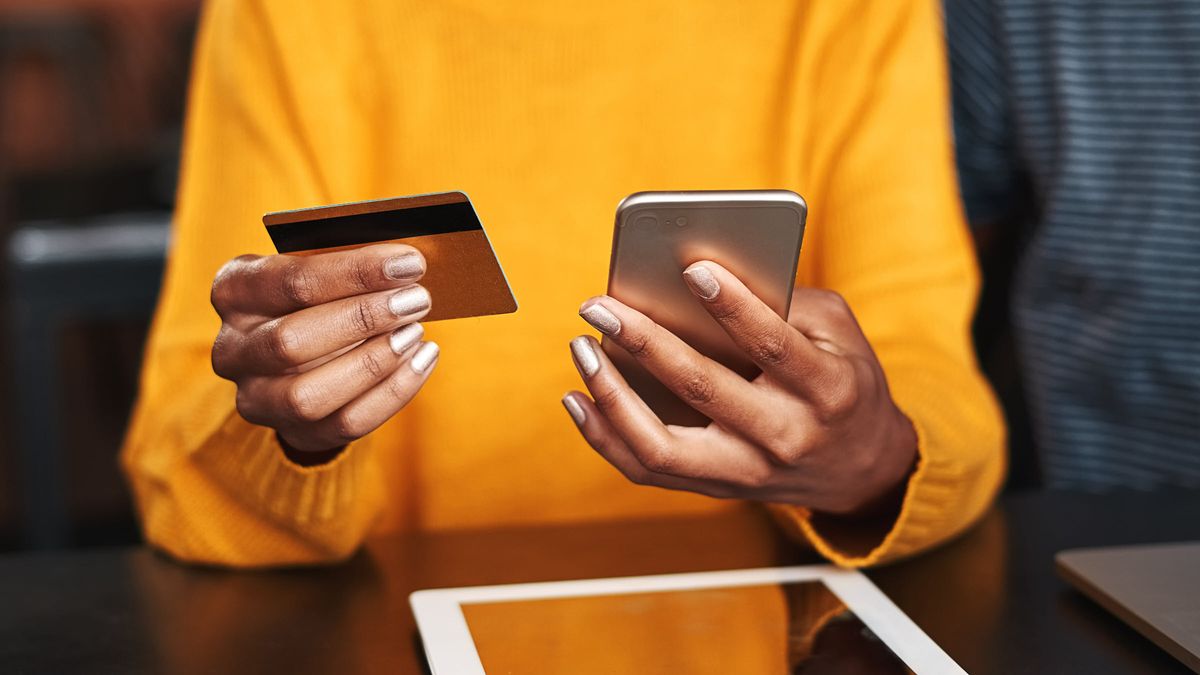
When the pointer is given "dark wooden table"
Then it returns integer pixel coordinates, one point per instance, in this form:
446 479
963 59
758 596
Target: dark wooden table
991 599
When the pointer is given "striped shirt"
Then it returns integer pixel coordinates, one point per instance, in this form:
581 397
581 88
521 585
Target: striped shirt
1079 121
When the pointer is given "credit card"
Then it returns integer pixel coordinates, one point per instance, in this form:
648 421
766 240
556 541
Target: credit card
463 275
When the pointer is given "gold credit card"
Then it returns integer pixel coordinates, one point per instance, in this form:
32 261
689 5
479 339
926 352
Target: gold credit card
462 274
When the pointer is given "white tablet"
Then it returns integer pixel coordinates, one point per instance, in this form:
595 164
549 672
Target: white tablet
813 619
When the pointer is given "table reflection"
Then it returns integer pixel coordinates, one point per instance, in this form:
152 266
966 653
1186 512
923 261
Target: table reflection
298 621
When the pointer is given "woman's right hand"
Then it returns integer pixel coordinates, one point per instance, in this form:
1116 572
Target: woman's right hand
323 348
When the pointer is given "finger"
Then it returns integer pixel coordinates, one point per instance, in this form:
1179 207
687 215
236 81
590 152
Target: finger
369 411
322 360
721 394
825 318
315 394
275 285
655 446
778 349
308 334
599 434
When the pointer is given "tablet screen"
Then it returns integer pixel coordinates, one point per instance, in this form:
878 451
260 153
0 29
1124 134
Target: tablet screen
799 627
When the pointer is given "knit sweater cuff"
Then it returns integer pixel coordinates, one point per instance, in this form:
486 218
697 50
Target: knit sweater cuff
929 494
248 461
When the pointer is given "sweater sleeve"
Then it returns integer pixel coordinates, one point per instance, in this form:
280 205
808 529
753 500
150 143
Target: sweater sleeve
209 486
887 232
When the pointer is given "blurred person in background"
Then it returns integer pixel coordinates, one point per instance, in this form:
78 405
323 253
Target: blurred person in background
1078 140
871 433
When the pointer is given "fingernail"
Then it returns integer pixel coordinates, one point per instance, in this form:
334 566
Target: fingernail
425 356
585 356
574 409
409 301
404 338
601 319
702 282
406 266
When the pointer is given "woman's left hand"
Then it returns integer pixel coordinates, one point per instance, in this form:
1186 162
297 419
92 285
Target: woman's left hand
817 428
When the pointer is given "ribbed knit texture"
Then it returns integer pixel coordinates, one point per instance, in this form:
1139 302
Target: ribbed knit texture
1079 121
548 114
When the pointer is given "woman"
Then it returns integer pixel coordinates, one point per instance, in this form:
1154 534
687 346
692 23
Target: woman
871 433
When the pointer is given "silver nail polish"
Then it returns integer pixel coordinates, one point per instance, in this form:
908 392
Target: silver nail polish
601 319
401 267
403 338
585 356
409 301
574 409
425 356
702 281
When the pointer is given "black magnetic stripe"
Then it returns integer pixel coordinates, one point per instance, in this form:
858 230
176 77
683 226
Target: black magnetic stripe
366 228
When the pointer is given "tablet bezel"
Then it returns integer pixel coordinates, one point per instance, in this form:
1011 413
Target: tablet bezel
450 648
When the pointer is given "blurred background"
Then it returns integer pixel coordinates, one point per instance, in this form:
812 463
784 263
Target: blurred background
91 103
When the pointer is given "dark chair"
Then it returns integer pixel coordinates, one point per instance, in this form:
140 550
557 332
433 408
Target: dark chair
60 273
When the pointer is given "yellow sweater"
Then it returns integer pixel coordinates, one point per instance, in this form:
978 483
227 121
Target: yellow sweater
547 113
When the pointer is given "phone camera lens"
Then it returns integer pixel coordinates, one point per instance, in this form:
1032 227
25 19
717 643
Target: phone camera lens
681 221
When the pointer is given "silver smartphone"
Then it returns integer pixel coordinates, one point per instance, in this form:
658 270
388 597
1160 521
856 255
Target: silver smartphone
755 234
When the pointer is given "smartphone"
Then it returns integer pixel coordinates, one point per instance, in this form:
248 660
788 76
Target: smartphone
755 234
